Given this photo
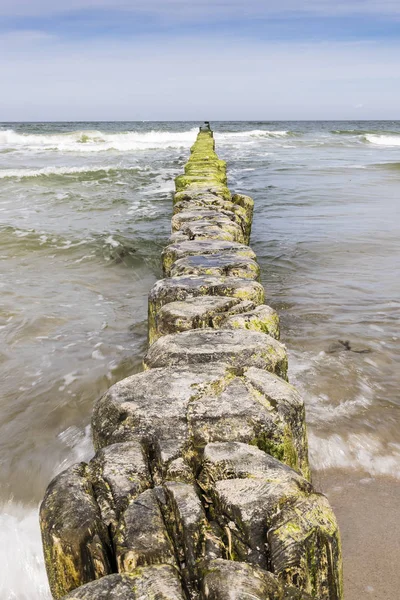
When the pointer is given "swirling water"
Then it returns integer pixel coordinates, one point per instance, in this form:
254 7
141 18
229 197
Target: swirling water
85 209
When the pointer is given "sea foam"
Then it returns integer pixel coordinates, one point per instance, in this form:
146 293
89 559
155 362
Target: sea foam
95 141
383 140
98 141
252 133
50 171
23 576
355 451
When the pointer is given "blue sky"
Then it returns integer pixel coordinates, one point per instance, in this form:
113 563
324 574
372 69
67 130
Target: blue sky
223 59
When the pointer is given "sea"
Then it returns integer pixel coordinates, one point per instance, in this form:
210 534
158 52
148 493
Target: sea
85 211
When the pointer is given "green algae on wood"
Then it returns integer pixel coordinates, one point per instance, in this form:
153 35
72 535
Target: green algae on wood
218 265
174 252
234 347
225 579
76 543
141 538
118 473
278 519
262 318
192 533
197 313
179 288
201 474
305 547
217 312
157 581
221 228
178 410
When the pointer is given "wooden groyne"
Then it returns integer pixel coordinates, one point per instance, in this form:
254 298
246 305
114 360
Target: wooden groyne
200 486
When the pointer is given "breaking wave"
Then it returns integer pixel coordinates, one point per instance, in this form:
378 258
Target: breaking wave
383 140
61 171
392 166
23 575
114 248
255 133
95 141
355 451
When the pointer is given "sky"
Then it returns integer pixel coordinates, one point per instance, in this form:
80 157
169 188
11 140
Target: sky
88 60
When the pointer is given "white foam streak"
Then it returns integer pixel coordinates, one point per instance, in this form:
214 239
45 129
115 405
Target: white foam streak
356 451
383 140
253 133
96 141
49 171
22 573
111 242
79 443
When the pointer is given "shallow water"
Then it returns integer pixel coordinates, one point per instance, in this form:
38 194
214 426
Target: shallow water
85 209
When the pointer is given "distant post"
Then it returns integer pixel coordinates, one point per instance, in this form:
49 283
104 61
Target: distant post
205 127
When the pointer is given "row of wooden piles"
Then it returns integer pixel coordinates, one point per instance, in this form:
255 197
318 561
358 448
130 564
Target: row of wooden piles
200 485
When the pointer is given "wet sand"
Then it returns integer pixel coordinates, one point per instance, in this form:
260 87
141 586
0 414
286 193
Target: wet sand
368 511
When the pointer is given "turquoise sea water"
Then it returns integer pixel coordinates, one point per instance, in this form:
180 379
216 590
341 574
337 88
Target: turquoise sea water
85 210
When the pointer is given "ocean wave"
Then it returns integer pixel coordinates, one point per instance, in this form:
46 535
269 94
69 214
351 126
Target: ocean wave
383 140
77 440
254 133
356 132
114 248
355 451
349 132
61 171
364 132
96 141
392 166
23 574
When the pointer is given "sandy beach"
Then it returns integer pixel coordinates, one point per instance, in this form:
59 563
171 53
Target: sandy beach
367 512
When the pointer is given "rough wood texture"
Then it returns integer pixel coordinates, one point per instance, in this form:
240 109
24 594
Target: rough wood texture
200 487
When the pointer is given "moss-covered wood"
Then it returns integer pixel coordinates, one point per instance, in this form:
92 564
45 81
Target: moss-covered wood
175 412
216 312
190 286
161 582
205 248
236 348
76 542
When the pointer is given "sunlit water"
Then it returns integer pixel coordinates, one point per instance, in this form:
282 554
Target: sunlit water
85 209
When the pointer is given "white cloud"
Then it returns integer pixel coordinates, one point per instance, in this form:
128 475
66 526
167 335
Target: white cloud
203 10
190 77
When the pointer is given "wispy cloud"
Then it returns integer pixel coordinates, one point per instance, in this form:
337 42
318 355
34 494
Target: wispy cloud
196 76
204 9
175 59
261 19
